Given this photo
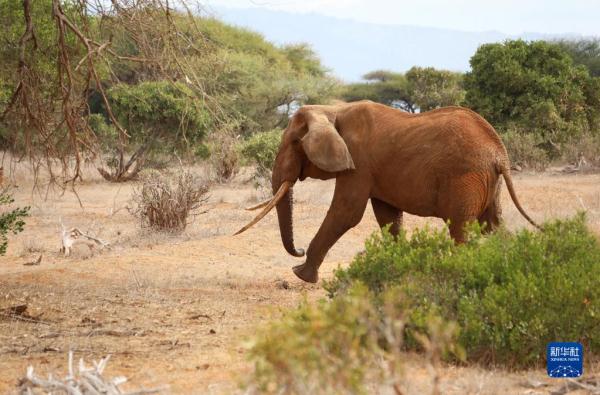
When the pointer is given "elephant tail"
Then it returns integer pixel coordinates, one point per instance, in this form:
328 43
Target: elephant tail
504 170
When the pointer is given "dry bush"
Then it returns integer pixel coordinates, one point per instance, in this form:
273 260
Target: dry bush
164 201
525 150
32 246
224 157
585 148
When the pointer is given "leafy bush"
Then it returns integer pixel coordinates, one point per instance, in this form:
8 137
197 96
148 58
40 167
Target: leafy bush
533 86
10 221
585 51
258 79
262 149
160 110
510 294
323 348
161 118
164 201
349 344
524 150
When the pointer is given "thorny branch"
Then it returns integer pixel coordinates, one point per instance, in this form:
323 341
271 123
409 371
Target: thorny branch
51 113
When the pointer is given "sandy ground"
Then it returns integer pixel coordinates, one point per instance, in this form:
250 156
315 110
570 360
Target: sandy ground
177 310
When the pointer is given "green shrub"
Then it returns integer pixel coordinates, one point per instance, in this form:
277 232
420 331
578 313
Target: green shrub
534 86
323 348
510 294
349 344
159 111
262 149
524 150
10 221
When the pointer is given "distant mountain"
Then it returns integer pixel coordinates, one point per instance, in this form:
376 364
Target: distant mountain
351 49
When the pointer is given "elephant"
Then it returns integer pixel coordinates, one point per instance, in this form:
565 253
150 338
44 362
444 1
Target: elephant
443 163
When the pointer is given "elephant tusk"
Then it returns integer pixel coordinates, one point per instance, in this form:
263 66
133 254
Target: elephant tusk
283 189
260 205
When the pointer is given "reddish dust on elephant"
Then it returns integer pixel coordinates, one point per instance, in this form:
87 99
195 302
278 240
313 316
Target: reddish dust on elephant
444 163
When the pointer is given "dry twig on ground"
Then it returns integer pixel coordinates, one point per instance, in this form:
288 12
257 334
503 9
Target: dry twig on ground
75 236
85 381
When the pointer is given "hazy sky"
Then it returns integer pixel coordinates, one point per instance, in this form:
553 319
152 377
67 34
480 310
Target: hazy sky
507 16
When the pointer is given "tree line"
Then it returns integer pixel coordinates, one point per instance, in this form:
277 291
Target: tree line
124 84
543 97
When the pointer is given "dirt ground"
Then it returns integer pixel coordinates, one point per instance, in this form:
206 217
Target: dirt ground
178 310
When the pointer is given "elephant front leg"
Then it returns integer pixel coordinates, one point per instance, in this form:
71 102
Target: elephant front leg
346 211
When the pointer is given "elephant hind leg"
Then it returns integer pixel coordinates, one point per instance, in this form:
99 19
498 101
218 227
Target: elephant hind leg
491 218
457 230
387 214
465 198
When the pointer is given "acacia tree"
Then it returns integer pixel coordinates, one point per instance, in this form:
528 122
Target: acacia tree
382 86
85 66
430 88
65 53
419 89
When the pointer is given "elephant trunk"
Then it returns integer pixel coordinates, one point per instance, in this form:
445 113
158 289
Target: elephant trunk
286 226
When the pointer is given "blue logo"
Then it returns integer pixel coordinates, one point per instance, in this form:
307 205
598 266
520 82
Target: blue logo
564 359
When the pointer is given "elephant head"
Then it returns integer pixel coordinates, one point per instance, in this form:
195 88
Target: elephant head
311 147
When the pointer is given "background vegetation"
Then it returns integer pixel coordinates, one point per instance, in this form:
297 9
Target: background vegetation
139 79
542 97
125 83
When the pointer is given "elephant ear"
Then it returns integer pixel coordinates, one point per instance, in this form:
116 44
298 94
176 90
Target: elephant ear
323 145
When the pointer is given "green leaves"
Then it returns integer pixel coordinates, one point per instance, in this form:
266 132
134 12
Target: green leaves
10 221
262 149
323 348
160 108
530 86
510 294
423 88
259 81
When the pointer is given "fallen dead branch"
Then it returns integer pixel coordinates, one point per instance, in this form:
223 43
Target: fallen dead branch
19 313
198 316
581 164
14 310
115 333
75 236
85 381
34 263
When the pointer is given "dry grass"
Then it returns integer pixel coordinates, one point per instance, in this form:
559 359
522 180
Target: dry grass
175 309
224 157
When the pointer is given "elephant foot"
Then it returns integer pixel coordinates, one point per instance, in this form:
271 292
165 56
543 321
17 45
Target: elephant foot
306 273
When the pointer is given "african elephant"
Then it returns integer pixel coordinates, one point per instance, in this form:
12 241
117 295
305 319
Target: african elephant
443 163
